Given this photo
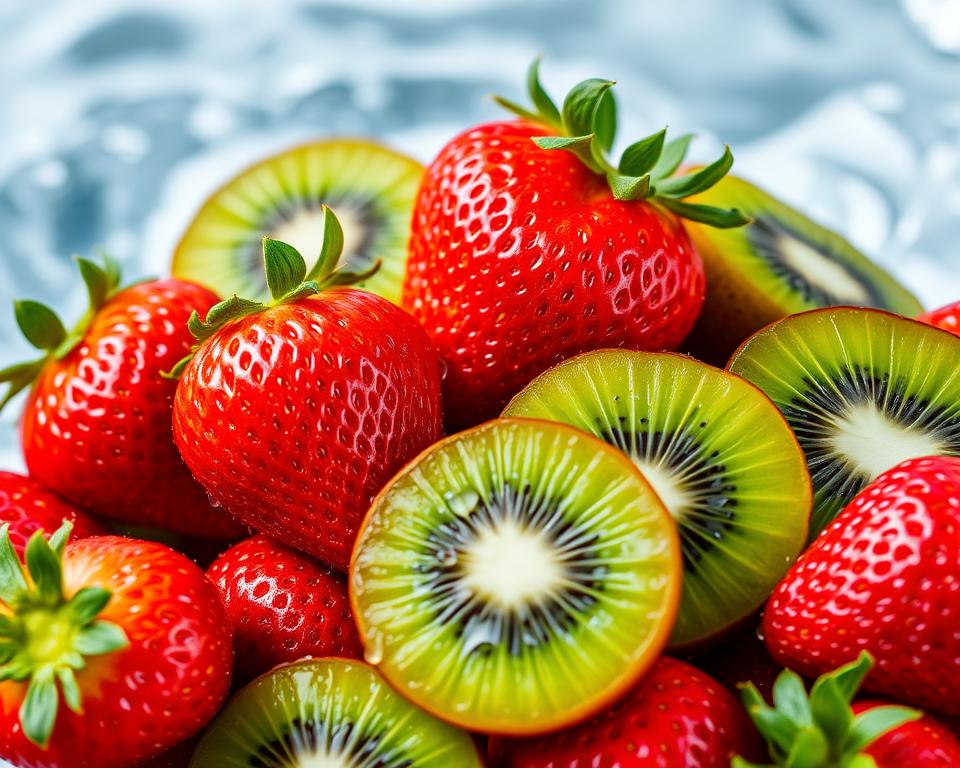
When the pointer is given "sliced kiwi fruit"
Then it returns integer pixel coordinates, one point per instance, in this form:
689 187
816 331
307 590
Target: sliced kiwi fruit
516 578
780 264
716 451
862 389
328 712
370 188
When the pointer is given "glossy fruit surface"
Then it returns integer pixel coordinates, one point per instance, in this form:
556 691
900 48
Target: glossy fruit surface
923 743
947 317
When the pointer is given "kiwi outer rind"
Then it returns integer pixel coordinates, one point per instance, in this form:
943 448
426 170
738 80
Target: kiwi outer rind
509 725
246 715
785 535
214 218
742 363
740 298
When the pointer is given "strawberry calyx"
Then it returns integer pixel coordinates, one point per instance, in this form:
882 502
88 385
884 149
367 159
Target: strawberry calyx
287 280
44 329
586 125
819 729
45 636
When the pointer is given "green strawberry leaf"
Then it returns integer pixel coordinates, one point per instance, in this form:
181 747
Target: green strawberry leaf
521 112
99 638
629 187
672 156
87 604
870 725
96 280
40 324
13 584
698 181
640 157
284 265
581 104
540 99
44 567
70 689
330 250
721 218
790 697
604 124
38 713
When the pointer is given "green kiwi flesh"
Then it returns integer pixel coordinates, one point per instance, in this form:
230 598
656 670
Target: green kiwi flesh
322 713
370 188
862 389
780 264
717 452
516 578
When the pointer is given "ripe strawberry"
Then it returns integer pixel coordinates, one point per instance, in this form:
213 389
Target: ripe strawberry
27 507
677 717
283 605
947 317
883 578
96 428
521 256
293 414
923 743
132 636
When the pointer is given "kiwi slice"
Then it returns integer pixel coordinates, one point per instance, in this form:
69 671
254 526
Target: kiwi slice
862 389
716 451
370 188
328 712
780 264
516 578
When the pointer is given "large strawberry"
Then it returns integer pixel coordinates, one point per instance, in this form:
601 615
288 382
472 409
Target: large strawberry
947 317
883 578
677 717
823 729
111 651
293 414
96 428
27 507
528 246
283 605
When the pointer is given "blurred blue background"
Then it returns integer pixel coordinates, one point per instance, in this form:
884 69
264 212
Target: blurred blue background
117 118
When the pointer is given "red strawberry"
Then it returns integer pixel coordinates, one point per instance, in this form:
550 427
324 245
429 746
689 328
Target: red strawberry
947 317
923 743
677 717
294 414
521 257
283 606
131 635
884 577
96 429
27 507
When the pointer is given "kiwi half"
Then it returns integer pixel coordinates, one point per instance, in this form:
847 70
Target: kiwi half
862 389
370 188
780 264
328 712
715 450
515 578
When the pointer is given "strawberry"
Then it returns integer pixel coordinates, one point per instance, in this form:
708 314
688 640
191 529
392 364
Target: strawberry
947 317
883 578
522 255
96 428
293 414
677 717
131 635
283 606
823 729
27 507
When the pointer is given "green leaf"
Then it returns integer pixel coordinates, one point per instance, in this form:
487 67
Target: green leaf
850 676
629 187
540 99
111 268
87 604
790 697
96 280
99 638
58 541
284 266
604 123
581 104
13 583
640 157
809 750
672 156
331 249
44 567
344 277
775 727
219 315
870 725
19 376
521 112
698 181
721 218
751 697
71 691
308 288
831 711
38 713
40 324
563 142
178 368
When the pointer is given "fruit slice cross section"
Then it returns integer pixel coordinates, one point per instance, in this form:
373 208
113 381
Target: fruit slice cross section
329 713
516 578
862 389
716 451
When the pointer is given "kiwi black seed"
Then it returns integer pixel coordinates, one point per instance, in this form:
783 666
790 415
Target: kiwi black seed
328 712
369 187
715 449
516 578
780 264
862 389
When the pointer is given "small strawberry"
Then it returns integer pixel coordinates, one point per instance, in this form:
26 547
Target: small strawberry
677 717
283 606
823 729
96 428
947 317
293 414
528 246
27 507
884 577
129 633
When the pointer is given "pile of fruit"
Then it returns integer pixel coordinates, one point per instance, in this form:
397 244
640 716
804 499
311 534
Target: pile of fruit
470 488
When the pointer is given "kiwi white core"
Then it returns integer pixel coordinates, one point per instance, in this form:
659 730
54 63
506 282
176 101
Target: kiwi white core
821 270
665 484
874 443
511 566
322 760
304 231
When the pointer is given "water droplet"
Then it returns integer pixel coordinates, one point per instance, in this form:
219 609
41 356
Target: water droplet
444 368
463 504
213 501
373 648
